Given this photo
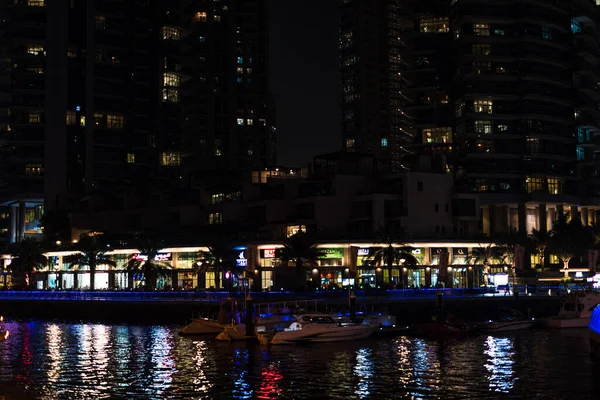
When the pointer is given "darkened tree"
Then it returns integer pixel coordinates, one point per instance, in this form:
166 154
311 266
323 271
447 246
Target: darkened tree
28 256
394 245
146 263
91 252
301 250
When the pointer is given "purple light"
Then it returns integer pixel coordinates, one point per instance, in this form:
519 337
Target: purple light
227 275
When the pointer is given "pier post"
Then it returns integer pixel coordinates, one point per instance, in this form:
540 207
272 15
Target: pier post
352 306
249 316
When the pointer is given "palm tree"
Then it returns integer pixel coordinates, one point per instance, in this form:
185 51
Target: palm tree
218 258
91 252
484 255
569 239
147 263
395 246
300 249
540 241
28 257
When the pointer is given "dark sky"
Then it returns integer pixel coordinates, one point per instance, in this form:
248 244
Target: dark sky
304 78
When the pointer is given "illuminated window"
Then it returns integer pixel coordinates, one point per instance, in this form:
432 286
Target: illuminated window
100 22
580 153
249 121
217 18
130 158
533 145
240 70
482 106
350 143
250 152
200 16
115 121
71 118
215 218
36 3
240 60
434 25
171 159
170 95
171 79
482 68
575 26
384 142
99 119
484 127
554 186
33 169
35 69
481 29
481 185
480 49
240 121
484 146
499 32
534 185
36 50
34 118
546 33
291 230
218 152
437 135
171 33
82 120
71 51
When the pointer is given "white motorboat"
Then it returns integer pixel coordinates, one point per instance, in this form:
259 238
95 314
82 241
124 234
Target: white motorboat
379 319
594 329
202 326
317 328
510 320
575 311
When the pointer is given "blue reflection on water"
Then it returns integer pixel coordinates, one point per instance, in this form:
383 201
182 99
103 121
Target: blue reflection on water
500 352
241 387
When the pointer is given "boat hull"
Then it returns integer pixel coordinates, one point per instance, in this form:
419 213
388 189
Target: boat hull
202 327
508 326
339 334
562 323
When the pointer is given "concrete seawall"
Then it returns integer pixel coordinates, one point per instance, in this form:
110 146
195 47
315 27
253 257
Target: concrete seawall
179 312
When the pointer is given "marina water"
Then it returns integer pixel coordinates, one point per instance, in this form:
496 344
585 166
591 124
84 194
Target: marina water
53 360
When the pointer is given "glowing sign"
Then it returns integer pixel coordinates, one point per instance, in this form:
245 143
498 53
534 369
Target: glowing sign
159 257
578 274
363 252
241 261
269 253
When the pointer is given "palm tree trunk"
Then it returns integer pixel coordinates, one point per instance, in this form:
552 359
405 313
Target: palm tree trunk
301 275
390 263
486 271
92 275
566 267
217 277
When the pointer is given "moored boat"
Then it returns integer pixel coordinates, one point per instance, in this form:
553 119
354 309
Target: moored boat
575 311
317 328
510 320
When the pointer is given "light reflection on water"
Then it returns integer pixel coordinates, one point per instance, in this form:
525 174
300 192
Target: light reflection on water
56 360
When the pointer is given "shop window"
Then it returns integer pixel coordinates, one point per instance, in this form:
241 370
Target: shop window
434 25
34 118
215 218
130 158
481 29
200 16
171 33
482 106
115 121
34 169
170 95
171 79
483 127
71 118
170 159
481 49
437 135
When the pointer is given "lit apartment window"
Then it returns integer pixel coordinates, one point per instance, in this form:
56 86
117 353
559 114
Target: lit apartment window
575 26
348 61
130 158
71 51
99 119
480 49
249 121
481 185
502 128
580 153
250 152
554 186
484 146
215 218
170 158
36 3
35 69
533 145
218 152
217 18
100 22
434 25
115 121
437 135
482 106
170 95
240 70
71 118
546 33
36 50
384 142
534 185
481 29
200 16
171 79
240 121
171 33
34 118
350 143
291 230
483 127
82 120
33 169
499 32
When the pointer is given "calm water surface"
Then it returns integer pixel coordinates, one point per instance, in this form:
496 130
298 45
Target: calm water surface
44 360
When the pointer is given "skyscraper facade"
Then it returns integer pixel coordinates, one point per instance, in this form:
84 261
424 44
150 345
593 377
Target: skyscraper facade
101 96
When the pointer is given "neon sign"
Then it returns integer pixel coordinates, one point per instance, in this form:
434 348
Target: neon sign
159 257
241 260
269 253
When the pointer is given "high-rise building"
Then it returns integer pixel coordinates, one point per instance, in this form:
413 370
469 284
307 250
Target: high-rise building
508 93
101 96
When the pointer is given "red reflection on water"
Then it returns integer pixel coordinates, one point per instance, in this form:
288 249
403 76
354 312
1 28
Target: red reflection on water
269 388
24 374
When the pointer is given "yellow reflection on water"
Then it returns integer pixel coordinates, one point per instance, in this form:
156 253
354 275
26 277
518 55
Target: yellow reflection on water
54 342
201 381
500 362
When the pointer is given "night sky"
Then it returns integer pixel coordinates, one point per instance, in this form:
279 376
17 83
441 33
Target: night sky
304 78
